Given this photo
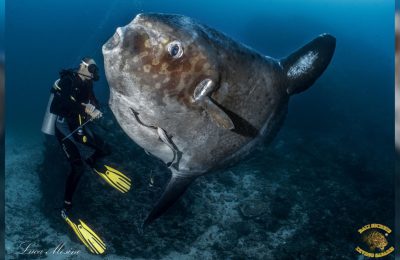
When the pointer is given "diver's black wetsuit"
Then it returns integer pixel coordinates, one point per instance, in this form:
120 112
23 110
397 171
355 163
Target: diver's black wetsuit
69 94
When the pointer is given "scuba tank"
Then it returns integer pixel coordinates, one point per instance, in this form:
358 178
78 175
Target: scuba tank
49 120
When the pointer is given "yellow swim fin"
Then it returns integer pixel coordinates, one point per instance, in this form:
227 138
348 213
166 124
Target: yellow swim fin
115 178
88 237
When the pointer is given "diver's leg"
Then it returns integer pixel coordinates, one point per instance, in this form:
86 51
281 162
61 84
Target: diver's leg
75 174
92 161
71 152
102 149
115 178
112 176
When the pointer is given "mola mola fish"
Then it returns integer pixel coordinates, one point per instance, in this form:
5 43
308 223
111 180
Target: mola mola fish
198 100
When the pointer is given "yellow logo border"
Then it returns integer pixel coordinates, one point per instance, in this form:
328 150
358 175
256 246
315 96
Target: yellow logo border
375 255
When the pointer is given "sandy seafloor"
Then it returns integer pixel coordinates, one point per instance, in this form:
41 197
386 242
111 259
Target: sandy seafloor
303 197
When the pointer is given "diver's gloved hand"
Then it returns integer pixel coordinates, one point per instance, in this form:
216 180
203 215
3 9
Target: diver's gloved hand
96 114
92 111
89 108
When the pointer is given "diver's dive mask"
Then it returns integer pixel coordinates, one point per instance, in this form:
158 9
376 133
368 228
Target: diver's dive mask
92 68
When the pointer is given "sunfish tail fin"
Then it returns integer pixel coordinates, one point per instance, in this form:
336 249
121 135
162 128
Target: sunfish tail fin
305 66
175 188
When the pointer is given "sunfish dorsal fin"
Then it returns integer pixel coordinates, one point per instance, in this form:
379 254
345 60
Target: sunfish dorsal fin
304 66
176 186
202 95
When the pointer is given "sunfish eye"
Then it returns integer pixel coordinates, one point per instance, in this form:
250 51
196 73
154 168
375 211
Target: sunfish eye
175 49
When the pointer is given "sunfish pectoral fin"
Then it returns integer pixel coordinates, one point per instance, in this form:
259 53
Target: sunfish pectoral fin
201 95
203 89
304 66
217 114
175 188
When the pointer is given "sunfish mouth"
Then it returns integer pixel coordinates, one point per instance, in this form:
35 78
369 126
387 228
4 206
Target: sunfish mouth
138 26
114 41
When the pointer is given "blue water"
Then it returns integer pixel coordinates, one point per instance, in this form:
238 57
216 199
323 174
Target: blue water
349 110
2 23
44 37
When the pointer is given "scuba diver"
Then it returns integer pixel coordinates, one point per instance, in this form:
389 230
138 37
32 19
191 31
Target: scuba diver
71 107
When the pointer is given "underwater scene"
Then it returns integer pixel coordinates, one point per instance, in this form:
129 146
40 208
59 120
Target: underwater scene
234 129
2 27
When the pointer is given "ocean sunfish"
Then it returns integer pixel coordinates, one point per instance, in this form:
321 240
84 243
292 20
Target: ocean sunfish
197 99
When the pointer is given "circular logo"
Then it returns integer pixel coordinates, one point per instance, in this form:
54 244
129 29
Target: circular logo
375 241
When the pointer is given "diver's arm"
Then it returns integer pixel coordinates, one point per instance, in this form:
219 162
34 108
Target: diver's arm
93 100
64 102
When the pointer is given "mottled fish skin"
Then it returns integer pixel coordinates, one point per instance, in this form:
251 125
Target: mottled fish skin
161 88
246 100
